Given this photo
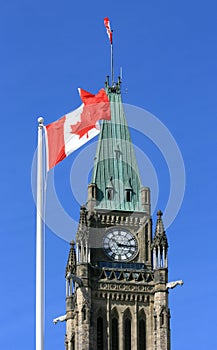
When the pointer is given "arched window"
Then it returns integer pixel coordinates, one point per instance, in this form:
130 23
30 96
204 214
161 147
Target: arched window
73 343
115 338
93 191
146 243
164 318
84 257
110 194
99 333
110 190
142 334
155 322
84 313
128 195
127 334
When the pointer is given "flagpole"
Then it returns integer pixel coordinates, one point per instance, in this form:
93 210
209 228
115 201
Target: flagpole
112 65
39 325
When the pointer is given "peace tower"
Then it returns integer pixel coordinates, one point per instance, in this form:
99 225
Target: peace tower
117 269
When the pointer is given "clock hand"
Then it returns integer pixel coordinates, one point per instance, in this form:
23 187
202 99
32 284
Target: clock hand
125 245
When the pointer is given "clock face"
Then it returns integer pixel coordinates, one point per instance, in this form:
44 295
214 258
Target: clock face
120 244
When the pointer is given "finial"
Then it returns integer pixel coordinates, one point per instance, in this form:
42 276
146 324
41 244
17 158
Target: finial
107 81
159 214
40 121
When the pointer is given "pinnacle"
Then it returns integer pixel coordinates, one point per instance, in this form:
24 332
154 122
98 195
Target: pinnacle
160 238
159 226
71 263
83 216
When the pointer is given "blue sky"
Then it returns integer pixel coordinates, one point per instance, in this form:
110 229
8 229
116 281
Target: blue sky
168 52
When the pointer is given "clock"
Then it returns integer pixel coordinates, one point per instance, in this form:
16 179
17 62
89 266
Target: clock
120 244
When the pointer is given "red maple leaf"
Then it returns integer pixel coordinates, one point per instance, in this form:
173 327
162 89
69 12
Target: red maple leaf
96 107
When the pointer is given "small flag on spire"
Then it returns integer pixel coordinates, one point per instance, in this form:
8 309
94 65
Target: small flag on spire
108 28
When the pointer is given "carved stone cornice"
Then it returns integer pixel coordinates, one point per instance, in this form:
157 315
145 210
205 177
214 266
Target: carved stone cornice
123 288
112 219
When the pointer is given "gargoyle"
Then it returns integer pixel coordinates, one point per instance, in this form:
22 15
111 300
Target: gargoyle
172 285
59 319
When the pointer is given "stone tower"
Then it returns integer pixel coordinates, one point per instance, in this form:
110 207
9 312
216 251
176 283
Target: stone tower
117 271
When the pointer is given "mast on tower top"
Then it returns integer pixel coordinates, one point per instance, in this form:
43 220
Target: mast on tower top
110 35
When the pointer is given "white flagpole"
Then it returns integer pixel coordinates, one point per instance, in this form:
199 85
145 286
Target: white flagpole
39 325
112 65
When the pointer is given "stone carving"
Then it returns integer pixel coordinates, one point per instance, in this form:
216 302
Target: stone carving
126 275
172 285
125 287
59 319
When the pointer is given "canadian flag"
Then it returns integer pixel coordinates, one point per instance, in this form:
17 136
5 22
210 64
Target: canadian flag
76 128
108 28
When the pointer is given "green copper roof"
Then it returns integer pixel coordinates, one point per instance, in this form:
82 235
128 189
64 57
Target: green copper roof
115 171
